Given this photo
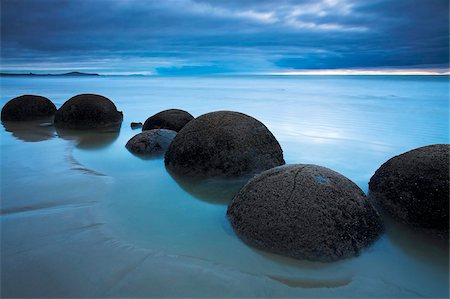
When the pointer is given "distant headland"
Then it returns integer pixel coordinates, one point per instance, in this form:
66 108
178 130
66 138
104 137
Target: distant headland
75 74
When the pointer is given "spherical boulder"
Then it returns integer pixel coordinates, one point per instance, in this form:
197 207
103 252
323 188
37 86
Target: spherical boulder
172 119
152 142
223 144
27 107
414 188
88 111
306 212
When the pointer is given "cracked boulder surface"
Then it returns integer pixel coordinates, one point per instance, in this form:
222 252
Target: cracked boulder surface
305 212
172 119
88 111
27 107
223 144
414 188
151 143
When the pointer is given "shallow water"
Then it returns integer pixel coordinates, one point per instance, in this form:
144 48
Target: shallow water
82 217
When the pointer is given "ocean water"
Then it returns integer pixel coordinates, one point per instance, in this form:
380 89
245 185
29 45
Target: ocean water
82 217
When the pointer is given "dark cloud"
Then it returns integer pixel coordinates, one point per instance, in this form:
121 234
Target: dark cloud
216 36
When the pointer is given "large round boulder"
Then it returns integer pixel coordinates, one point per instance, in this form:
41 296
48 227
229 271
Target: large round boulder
223 144
27 107
306 212
88 111
172 119
414 188
151 143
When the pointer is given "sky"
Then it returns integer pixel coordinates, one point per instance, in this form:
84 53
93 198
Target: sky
184 37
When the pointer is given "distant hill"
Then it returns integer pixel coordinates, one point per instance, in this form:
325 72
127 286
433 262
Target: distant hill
75 74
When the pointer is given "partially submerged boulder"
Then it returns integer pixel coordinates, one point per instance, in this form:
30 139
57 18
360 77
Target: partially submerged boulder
27 108
88 111
172 119
414 188
223 144
306 212
136 125
151 143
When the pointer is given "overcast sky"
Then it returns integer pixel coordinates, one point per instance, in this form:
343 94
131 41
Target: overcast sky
217 36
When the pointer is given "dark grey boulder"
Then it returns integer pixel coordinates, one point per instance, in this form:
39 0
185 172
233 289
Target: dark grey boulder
306 212
27 107
223 144
414 188
172 119
88 111
135 125
151 143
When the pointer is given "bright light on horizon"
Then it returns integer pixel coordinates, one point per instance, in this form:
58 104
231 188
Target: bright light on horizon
363 72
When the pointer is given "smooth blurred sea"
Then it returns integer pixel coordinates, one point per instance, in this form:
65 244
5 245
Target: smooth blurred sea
82 217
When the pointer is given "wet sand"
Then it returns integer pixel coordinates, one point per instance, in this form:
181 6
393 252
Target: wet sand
92 220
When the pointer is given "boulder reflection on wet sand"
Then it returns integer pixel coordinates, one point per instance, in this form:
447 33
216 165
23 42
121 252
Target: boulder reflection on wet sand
419 244
214 190
91 139
31 131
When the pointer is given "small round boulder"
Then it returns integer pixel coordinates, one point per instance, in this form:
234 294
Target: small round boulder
88 111
414 188
151 143
27 107
135 125
223 144
172 119
306 212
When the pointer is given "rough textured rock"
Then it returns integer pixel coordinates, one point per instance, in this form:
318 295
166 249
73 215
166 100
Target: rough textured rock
414 188
306 212
135 125
152 142
27 107
223 144
172 119
88 111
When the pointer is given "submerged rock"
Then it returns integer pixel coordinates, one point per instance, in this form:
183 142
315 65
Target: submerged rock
88 111
306 212
151 143
27 107
223 144
135 125
172 119
414 188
